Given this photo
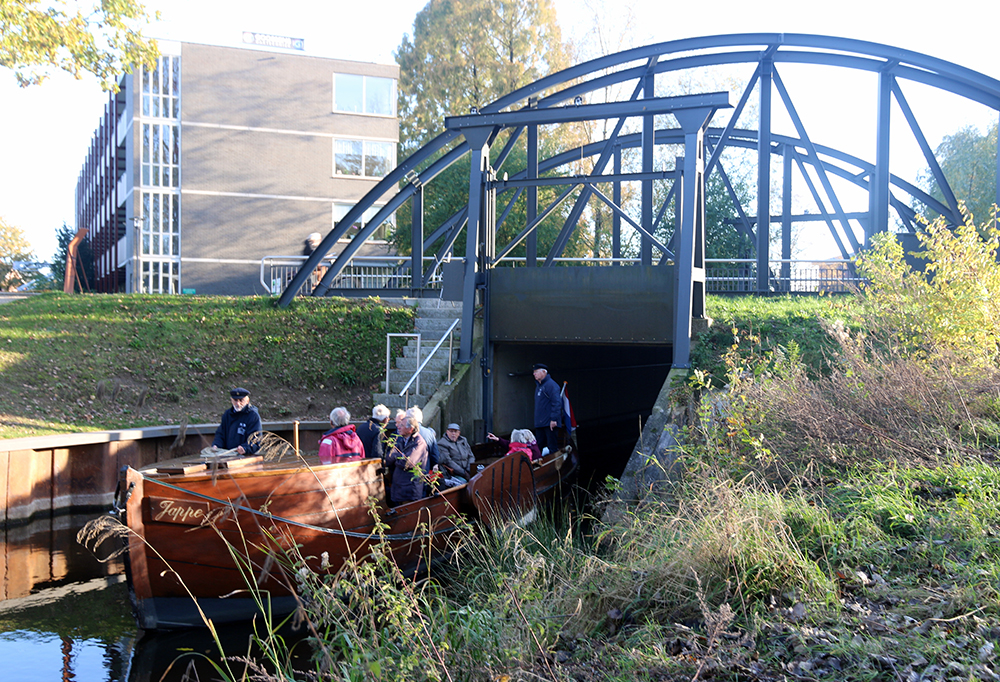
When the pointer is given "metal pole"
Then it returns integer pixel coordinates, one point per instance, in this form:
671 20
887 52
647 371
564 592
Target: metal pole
764 175
648 132
878 188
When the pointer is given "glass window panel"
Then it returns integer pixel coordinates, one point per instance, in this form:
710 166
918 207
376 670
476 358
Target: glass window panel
145 80
156 107
177 177
379 96
175 149
166 213
166 177
166 144
156 176
175 64
165 241
348 92
156 213
166 75
175 223
347 159
155 82
145 143
145 175
145 105
175 245
145 244
155 146
145 211
378 158
177 108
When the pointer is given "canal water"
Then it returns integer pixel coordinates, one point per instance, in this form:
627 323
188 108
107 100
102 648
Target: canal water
65 616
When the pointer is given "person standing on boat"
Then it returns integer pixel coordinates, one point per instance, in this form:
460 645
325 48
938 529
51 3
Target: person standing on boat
341 443
239 423
408 461
454 453
427 433
548 408
371 432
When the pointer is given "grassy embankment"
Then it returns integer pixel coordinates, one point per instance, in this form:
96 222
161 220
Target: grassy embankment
838 519
92 362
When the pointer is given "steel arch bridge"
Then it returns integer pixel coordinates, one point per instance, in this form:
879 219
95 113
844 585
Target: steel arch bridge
622 89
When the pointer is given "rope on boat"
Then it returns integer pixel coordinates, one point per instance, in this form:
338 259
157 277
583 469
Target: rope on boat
321 529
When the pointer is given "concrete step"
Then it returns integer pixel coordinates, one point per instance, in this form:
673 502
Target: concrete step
429 312
428 376
438 363
424 324
395 402
410 349
431 336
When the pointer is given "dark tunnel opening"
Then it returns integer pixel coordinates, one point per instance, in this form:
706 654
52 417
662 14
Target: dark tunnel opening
612 389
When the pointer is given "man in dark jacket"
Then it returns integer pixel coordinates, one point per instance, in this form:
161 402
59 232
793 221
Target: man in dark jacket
548 408
454 453
238 424
371 432
408 461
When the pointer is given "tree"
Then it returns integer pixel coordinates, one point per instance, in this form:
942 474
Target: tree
85 259
104 39
467 53
968 160
13 247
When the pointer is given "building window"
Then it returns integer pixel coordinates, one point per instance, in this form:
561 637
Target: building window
161 89
161 155
356 94
160 225
381 233
160 277
363 158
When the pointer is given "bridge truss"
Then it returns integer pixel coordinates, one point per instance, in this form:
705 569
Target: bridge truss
625 89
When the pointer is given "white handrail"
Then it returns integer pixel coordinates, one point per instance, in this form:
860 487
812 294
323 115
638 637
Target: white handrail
416 376
388 337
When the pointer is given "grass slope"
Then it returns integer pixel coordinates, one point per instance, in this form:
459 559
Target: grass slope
93 362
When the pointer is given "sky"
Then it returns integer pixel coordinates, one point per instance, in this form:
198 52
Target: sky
45 131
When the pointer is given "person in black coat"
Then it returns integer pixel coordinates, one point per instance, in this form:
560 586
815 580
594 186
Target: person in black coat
370 432
238 424
548 409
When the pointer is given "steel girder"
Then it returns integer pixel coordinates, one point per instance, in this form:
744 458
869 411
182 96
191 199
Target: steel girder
641 66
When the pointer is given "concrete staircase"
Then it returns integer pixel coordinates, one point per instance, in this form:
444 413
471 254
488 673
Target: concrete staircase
432 322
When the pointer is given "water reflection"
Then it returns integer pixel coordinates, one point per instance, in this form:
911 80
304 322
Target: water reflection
65 616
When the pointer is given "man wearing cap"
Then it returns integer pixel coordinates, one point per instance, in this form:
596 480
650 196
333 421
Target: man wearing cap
548 408
238 424
454 453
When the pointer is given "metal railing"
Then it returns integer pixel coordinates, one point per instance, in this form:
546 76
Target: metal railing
731 276
363 272
420 366
722 276
388 357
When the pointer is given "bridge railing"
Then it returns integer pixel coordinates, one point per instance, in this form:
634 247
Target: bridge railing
364 272
722 276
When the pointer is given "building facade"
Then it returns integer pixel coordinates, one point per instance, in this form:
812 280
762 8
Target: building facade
223 156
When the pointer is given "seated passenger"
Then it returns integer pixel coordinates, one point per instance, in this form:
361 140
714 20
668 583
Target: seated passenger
522 441
341 443
408 461
455 454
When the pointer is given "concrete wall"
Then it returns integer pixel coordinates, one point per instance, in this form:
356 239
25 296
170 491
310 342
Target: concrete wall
257 175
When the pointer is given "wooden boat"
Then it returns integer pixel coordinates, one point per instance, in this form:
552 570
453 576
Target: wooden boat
201 533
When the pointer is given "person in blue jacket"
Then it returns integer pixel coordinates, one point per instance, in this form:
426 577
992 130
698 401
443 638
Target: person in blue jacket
238 424
548 408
